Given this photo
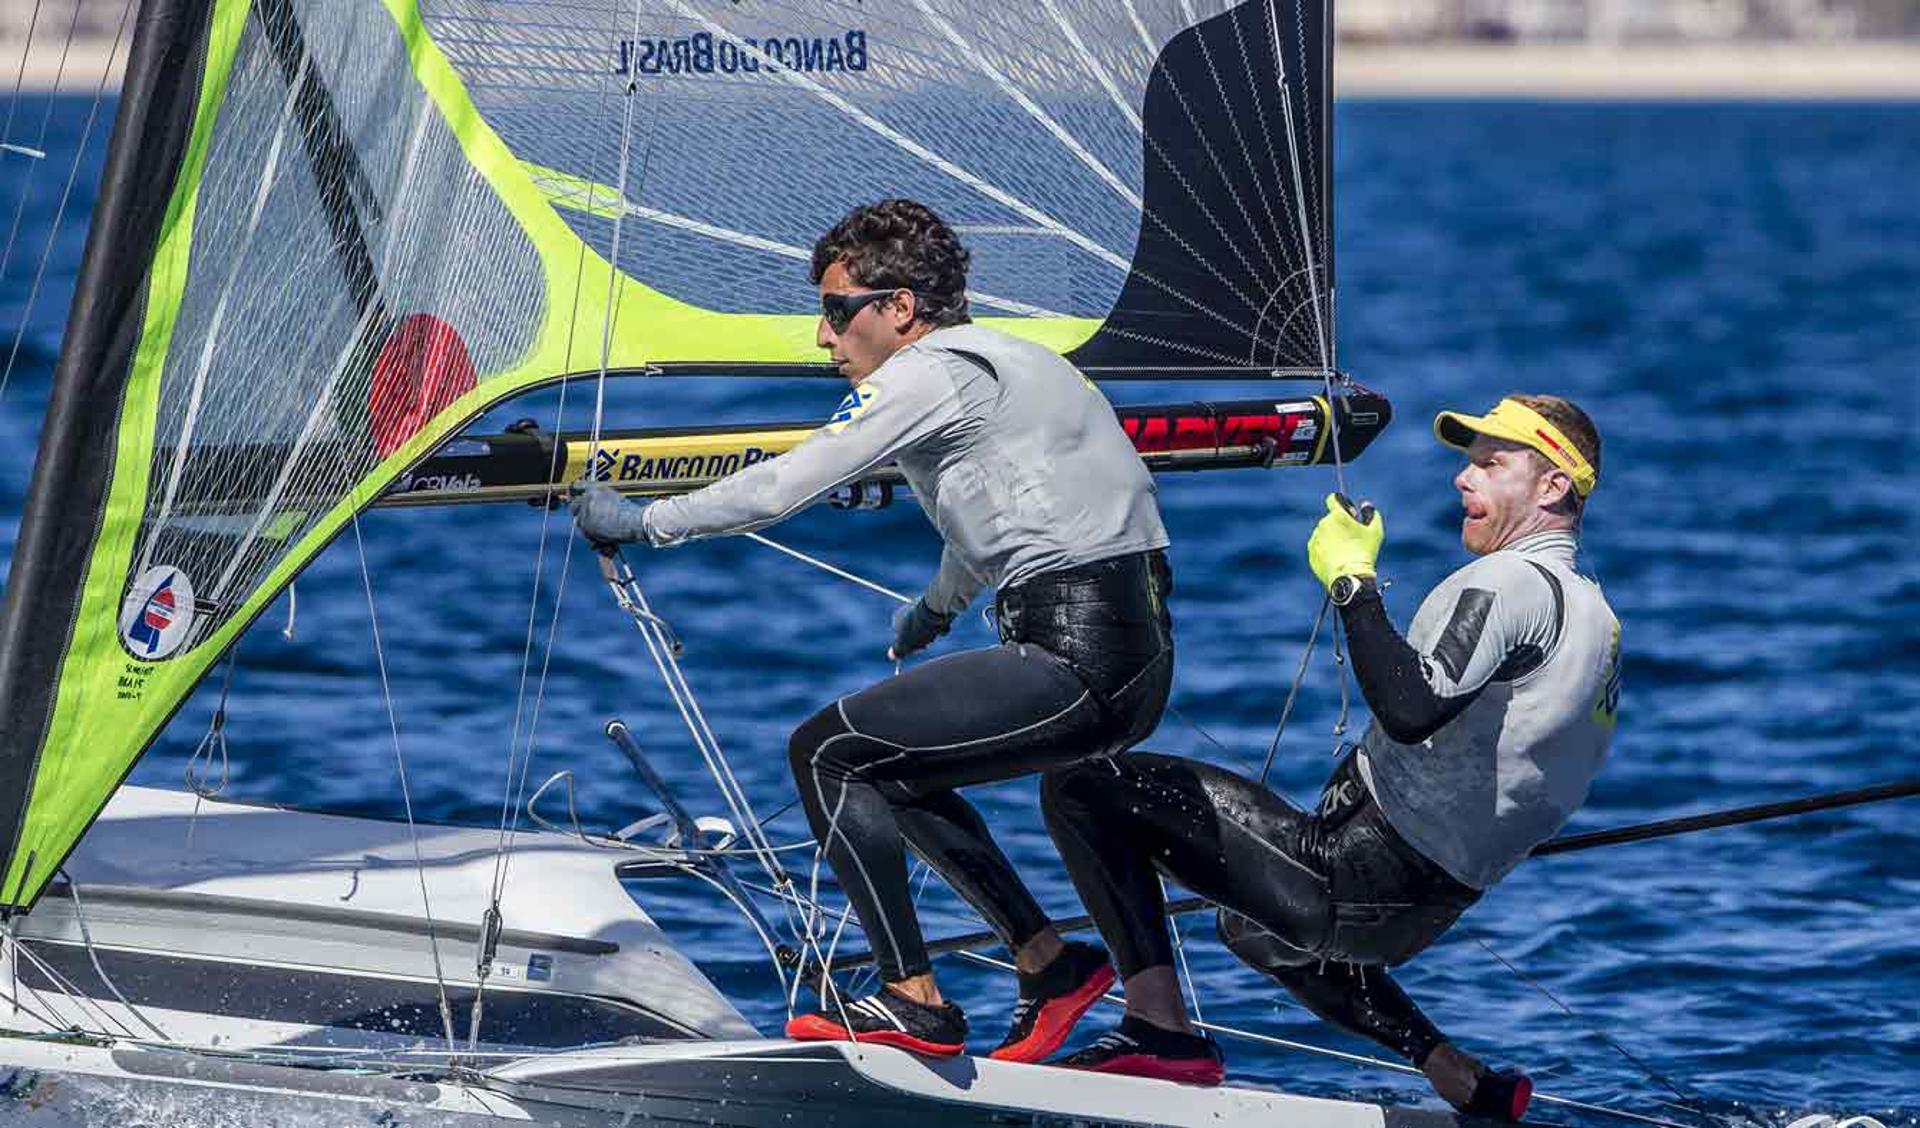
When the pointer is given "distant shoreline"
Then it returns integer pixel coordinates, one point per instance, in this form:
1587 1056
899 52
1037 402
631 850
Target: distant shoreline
1809 72
1813 72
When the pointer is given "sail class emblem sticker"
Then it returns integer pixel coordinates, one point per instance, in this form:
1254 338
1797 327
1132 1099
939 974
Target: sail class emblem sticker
157 615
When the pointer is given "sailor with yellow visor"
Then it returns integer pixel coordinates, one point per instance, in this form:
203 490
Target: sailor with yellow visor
1490 718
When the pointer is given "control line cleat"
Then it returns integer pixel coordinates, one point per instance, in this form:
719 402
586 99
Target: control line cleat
1052 1000
1138 1048
886 1018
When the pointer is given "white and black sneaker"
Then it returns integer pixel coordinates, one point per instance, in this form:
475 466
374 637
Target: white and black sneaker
887 1018
1140 1049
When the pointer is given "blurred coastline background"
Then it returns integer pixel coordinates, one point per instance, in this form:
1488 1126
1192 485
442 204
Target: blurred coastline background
1533 49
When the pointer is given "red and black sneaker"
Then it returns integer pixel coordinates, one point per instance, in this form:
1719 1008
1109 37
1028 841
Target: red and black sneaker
1140 1049
1501 1094
1052 1000
886 1018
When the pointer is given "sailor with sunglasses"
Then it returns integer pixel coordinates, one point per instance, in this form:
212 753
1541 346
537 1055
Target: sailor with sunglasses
1021 465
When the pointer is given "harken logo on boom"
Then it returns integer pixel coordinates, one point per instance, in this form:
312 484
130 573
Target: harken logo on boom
157 615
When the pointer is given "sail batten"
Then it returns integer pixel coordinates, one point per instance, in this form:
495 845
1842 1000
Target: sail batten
334 231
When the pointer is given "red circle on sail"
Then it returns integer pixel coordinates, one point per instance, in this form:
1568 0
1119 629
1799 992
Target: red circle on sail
423 367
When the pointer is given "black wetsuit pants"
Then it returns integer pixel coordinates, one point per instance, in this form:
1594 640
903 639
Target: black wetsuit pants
1083 671
1322 903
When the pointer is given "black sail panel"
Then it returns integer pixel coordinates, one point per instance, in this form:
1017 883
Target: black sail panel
1234 264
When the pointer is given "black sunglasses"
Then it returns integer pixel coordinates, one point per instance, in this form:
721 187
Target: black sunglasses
841 309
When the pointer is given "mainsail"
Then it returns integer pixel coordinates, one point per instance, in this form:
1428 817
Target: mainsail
332 232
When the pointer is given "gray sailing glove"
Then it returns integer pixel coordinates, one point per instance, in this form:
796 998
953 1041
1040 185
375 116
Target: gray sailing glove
915 626
604 516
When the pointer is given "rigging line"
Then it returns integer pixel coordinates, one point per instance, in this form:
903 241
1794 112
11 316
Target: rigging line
40 142
914 148
8 940
1356 1059
1033 109
66 988
1687 1101
406 792
1195 726
828 568
512 793
215 741
616 277
659 649
93 957
19 76
1293 692
1299 190
66 195
1180 950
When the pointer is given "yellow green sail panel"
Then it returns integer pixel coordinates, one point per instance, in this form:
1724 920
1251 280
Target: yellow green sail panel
331 232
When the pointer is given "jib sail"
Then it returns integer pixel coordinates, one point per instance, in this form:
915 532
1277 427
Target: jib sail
331 232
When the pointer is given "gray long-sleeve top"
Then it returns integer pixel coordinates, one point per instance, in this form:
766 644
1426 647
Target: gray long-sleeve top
1520 654
1016 458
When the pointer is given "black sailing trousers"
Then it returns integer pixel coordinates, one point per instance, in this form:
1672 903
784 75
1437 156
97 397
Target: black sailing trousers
1083 671
1322 903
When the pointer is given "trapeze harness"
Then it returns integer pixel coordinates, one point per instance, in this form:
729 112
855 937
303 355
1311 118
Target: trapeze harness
1020 464
1491 719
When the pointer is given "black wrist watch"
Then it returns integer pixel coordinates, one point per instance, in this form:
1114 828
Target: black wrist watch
1346 589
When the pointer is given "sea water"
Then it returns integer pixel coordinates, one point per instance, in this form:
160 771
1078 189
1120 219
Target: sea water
1730 290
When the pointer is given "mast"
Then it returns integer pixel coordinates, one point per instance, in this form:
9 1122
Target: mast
65 508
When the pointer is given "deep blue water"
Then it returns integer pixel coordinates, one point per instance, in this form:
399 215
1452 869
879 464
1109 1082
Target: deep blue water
1731 292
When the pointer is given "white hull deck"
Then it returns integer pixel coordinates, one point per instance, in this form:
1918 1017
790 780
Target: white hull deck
228 925
722 1084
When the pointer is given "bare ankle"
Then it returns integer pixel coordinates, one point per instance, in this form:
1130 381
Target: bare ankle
1153 996
1033 956
1454 1073
920 988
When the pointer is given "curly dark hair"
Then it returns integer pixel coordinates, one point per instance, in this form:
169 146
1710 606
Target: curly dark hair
901 244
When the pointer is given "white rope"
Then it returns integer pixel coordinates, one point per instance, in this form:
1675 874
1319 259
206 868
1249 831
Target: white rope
628 593
19 76
829 568
514 785
1293 691
93 957
38 150
406 792
1180 950
66 195
616 277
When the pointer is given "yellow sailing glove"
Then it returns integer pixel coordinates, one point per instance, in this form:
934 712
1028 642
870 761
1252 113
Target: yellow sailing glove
1346 541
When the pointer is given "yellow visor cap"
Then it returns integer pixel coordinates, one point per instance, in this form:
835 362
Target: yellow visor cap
1516 422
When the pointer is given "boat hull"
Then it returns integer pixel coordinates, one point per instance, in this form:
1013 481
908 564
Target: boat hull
228 925
723 1084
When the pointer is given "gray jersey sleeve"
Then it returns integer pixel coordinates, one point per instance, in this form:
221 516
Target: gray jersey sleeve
954 586
1494 618
906 401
